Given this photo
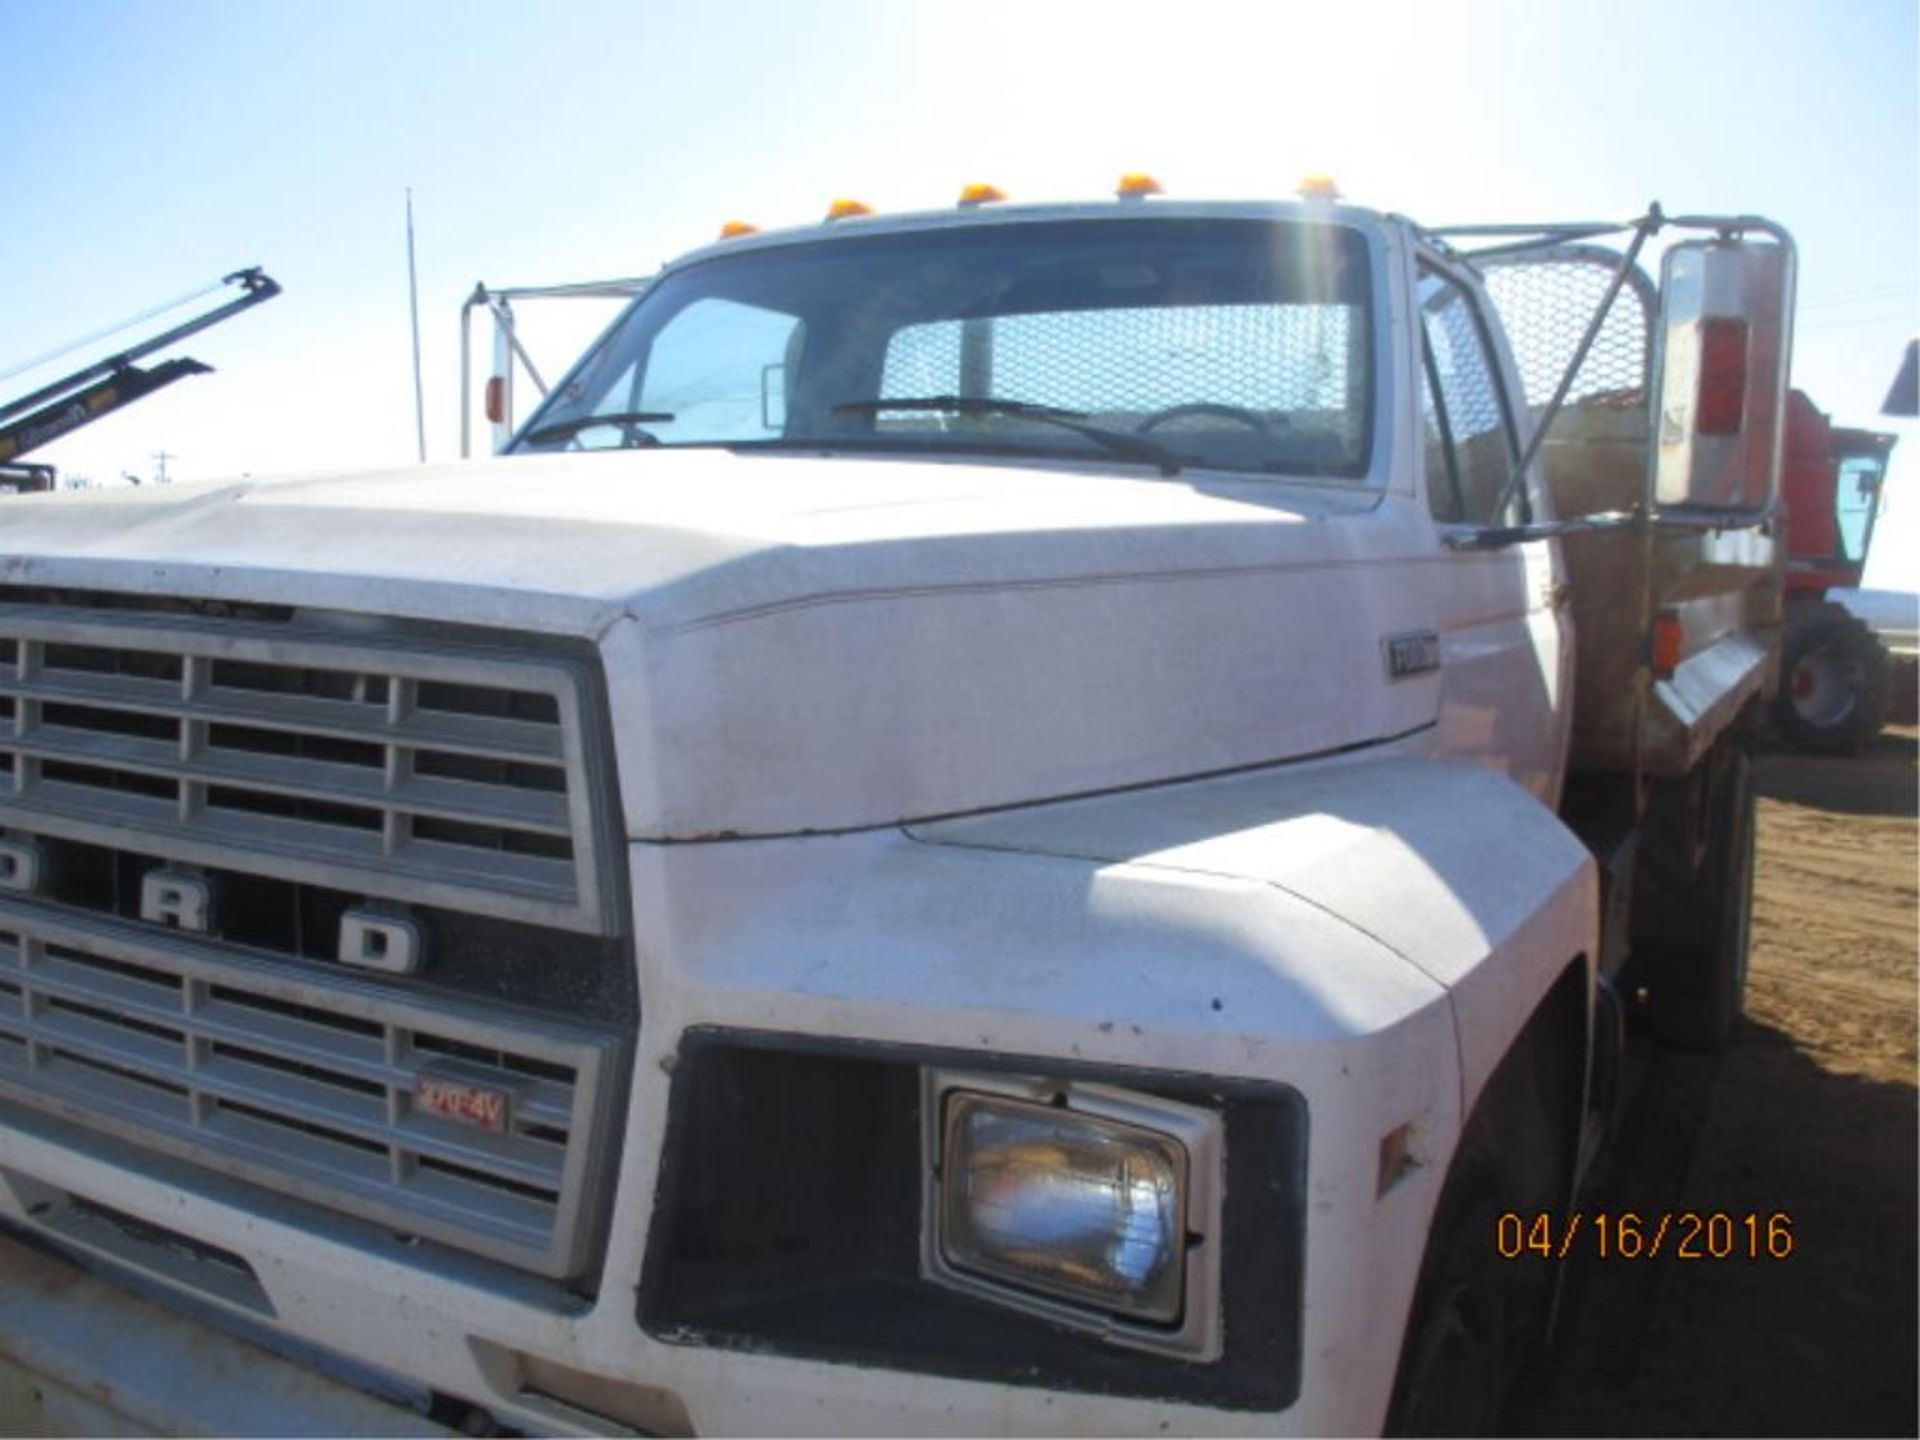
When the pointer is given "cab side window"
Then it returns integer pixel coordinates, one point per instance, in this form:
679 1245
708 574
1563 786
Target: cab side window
1469 433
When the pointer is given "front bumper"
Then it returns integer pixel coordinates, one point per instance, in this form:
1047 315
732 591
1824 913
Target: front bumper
150 1299
383 1340
80 1355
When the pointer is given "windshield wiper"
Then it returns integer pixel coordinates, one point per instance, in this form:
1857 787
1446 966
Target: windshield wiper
1134 447
629 421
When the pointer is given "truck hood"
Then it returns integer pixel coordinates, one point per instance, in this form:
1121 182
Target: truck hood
827 642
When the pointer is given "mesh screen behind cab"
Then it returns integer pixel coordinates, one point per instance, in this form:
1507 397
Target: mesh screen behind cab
1546 304
1297 363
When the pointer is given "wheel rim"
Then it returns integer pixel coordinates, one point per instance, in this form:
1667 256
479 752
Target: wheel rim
1825 688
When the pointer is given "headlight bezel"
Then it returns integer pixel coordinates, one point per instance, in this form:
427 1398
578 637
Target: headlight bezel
1194 1331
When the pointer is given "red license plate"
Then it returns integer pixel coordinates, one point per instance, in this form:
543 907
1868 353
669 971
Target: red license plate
480 1105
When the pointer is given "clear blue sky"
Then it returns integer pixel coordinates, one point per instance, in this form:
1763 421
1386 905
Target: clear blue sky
154 146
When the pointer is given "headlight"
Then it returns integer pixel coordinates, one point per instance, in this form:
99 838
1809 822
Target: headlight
1083 1208
1098 1206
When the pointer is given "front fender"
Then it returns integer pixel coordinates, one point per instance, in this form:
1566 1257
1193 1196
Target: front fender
1454 869
1349 930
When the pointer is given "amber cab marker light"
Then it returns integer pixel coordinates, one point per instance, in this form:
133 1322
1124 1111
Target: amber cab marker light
734 229
847 209
1136 185
979 194
1318 187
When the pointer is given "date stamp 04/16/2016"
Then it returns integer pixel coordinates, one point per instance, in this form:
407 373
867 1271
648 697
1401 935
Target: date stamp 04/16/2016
1630 1235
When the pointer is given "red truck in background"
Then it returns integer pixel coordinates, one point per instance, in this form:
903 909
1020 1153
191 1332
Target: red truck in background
1837 679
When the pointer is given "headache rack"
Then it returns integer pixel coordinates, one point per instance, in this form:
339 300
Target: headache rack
1666 496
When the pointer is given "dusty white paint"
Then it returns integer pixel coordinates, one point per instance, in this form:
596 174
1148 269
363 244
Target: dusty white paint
865 646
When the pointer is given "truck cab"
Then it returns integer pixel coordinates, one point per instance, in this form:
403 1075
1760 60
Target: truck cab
975 829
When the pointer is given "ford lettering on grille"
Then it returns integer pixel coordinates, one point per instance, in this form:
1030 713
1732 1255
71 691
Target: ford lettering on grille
195 806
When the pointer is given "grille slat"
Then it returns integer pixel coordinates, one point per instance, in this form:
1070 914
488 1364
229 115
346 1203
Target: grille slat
443 778
429 871
495 1220
480 735
346 1112
80 1080
535 811
312 1101
189 1047
154 1001
91 1038
361 1057
308 772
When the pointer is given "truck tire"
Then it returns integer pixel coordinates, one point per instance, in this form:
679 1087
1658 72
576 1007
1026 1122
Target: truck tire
1836 680
1476 1314
1693 905
1455 1362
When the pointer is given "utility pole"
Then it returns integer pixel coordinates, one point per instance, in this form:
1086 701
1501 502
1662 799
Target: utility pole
160 458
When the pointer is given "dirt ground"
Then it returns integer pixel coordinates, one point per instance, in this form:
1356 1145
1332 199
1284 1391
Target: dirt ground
1812 1113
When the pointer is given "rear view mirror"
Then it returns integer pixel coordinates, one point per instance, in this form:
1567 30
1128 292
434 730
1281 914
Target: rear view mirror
1721 372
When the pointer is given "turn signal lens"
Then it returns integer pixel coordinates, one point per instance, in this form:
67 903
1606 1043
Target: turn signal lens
1059 1202
496 401
1723 376
1668 638
1136 185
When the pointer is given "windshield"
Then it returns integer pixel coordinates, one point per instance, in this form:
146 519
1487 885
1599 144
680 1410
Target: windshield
1856 498
1232 344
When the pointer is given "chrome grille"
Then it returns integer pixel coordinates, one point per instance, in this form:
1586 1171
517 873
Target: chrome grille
306 1082
446 778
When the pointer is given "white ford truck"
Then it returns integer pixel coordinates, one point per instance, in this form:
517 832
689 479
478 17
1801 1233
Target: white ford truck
1028 819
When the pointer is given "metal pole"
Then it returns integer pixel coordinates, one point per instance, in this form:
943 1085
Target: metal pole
413 302
478 297
503 317
502 427
1649 223
259 287
145 315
